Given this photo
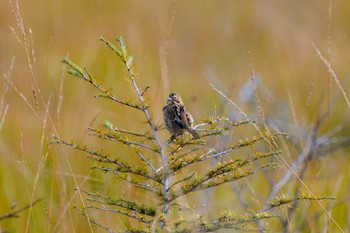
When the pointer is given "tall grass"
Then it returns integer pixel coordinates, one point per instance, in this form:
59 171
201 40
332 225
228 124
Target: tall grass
182 46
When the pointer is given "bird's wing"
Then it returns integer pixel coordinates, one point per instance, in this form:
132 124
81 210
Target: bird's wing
180 118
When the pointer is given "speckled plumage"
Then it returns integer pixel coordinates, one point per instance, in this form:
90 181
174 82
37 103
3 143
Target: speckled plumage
177 120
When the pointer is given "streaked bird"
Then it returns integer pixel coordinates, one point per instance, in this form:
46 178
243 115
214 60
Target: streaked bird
176 118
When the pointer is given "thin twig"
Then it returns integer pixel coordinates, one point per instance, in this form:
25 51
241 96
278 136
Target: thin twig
132 133
332 73
141 219
14 214
126 142
145 160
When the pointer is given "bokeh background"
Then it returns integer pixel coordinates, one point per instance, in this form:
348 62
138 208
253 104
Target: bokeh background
181 46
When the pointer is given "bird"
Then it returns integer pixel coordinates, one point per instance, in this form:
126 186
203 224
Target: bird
177 119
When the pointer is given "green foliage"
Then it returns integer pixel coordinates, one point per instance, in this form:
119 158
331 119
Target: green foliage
170 181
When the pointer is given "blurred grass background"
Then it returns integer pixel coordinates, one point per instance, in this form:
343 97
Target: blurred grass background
179 46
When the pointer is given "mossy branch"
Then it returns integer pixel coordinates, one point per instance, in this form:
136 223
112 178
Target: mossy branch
109 126
206 182
143 219
129 169
226 220
119 138
186 178
285 200
181 163
127 205
83 74
120 167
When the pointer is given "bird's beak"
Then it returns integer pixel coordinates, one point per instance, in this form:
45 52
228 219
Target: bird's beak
169 98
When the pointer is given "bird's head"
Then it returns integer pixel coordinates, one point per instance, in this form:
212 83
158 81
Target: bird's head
174 98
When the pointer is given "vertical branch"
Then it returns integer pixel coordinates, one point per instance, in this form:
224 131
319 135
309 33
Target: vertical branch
127 61
166 182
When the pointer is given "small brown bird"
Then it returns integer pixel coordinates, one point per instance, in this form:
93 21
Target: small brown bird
177 120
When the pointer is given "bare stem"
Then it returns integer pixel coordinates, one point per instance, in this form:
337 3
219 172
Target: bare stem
166 182
14 214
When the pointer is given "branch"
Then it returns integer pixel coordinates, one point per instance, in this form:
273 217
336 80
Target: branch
229 220
129 144
176 158
130 171
211 153
14 214
128 62
109 126
287 200
86 149
182 180
130 215
78 72
145 161
129 205
122 167
221 176
182 143
118 138
110 230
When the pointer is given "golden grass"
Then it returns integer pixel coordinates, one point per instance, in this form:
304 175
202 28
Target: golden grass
179 46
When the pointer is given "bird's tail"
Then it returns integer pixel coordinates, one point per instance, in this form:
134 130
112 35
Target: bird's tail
193 133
